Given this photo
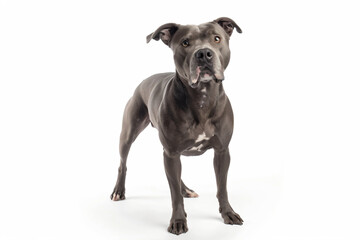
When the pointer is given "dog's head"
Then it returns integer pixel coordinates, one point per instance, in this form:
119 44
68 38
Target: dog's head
201 52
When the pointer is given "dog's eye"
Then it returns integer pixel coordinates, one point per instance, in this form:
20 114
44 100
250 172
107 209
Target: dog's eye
185 43
217 39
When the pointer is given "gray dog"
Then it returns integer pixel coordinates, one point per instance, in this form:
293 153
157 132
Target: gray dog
190 110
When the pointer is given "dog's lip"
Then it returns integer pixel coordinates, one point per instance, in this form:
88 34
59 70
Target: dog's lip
219 77
204 74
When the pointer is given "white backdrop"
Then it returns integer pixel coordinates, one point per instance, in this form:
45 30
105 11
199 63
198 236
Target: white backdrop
67 69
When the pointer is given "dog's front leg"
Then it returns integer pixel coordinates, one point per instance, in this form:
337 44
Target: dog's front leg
221 166
178 223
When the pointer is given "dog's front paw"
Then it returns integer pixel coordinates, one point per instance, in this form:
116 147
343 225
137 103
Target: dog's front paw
178 226
117 195
231 218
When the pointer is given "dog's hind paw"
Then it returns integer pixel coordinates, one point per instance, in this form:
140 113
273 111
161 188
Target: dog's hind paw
190 194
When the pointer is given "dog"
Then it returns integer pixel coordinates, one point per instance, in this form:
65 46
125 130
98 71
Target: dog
190 110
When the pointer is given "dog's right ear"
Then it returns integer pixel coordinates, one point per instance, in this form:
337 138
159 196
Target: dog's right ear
164 32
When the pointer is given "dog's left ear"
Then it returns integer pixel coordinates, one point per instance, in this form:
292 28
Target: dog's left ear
228 25
164 32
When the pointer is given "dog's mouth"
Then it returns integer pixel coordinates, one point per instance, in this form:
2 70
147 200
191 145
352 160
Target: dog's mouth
205 74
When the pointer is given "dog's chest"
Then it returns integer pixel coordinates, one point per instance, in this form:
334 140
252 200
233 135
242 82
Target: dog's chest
200 135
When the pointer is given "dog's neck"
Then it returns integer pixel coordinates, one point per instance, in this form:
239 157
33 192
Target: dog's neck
202 100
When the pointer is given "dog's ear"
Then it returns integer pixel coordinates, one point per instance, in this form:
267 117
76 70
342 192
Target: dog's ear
228 25
164 32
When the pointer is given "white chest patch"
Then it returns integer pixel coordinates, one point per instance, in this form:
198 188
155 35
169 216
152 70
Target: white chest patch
202 137
198 148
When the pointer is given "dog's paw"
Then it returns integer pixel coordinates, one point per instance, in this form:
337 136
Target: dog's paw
187 193
117 196
178 226
232 218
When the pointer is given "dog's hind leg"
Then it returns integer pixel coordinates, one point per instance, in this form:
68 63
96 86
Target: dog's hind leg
135 120
187 192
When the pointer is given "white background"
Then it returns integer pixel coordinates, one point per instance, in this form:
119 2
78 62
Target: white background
67 69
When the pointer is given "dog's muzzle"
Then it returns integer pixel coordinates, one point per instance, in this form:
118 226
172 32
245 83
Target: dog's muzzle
205 67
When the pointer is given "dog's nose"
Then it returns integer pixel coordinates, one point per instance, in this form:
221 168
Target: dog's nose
204 54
